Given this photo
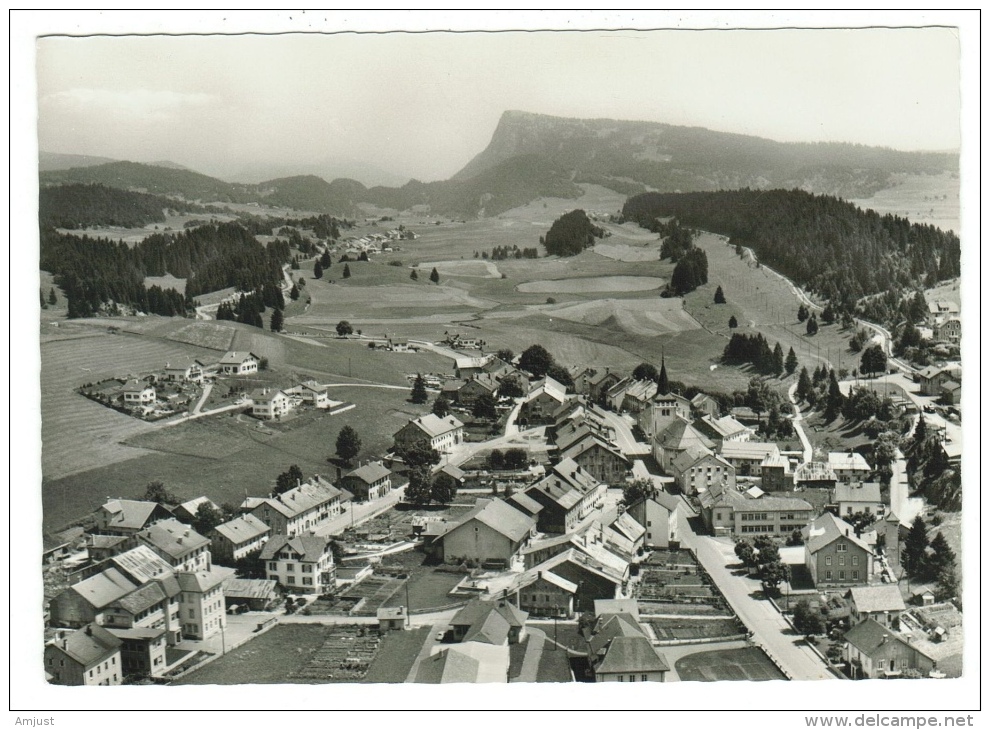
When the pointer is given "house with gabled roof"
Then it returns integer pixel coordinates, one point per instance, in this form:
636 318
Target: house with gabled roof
873 651
747 456
849 467
600 383
270 404
882 603
189 373
677 438
722 429
305 508
238 363
138 392
90 656
835 555
656 514
598 457
368 482
490 532
204 608
489 622
933 377
706 405
950 330
630 659
858 497
728 512
186 512
314 394
128 516
594 579
697 469
568 494
448 667
542 401
479 385
941 310
544 593
581 376
775 473
637 396
86 601
177 544
300 563
238 538
814 475
525 504
440 434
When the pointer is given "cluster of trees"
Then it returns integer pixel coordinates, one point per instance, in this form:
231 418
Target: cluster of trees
863 404
763 556
821 388
246 310
874 360
807 620
931 472
930 561
501 253
677 240
423 487
571 234
823 243
690 273
509 460
536 360
760 397
648 371
894 306
756 350
81 206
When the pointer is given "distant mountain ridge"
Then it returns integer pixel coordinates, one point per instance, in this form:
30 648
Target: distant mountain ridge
671 158
534 155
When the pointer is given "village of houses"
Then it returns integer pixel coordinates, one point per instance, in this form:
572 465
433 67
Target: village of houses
555 570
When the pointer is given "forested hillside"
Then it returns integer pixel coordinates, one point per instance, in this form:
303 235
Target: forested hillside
79 206
95 271
825 244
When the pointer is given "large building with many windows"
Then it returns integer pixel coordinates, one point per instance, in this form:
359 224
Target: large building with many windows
300 563
835 555
728 512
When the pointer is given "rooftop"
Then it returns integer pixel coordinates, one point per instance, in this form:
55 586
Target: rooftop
814 471
828 528
308 546
847 461
433 426
243 528
141 564
103 588
89 646
864 492
173 538
500 517
631 655
756 450
370 473
870 635
871 599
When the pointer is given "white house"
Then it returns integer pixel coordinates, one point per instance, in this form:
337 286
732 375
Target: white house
270 403
239 363
300 563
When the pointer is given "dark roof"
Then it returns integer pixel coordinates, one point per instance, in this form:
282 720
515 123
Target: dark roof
522 501
868 636
631 655
89 646
144 597
610 626
310 547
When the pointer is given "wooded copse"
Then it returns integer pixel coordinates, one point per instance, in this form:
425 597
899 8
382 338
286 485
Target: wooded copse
95 271
80 206
825 244
571 234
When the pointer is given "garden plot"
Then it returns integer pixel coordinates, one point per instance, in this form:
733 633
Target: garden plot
688 629
747 664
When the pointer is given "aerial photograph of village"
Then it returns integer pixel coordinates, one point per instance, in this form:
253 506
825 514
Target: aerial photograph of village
500 358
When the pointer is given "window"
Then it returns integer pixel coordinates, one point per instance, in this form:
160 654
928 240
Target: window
841 547
842 575
192 613
828 560
292 580
290 567
855 575
307 569
828 575
307 581
273 566
632 677
855 560
622 677
842 560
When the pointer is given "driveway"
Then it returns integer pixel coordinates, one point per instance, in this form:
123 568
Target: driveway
744 595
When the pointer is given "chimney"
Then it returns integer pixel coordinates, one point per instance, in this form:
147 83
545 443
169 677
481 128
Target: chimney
89 629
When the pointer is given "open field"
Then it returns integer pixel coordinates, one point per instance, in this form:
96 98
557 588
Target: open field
727 665
166 282
595 285
927 199
428 589
396 655
213 336
181 456
948 290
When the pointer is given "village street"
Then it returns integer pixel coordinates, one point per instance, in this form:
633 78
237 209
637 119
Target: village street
744 595
356 513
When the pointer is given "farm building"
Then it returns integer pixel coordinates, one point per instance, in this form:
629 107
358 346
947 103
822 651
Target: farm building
594 579
706 405
490 532
543 400
637 396
598 457
479 385
254 593
723 429
186 512
544 593
491 622
951 393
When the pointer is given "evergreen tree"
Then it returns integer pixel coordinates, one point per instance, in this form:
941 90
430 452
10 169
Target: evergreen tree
802 313
733 322
294 292
277 320
435 276
804 386
828 314
920 431
441 406
347 272
835 399
941 559
52 299
914 557
348 444
663 382
44 304
812 326
791 363
317 270
719 296
419 395
326 261
778 360
947 585
413 275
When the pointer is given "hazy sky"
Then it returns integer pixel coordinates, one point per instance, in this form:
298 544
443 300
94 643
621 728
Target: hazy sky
423 105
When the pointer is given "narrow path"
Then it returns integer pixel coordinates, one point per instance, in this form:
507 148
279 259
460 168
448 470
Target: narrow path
207 389
809 452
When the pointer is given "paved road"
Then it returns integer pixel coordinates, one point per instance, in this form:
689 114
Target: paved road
809 453
623 435
769 628
356 513
207 389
